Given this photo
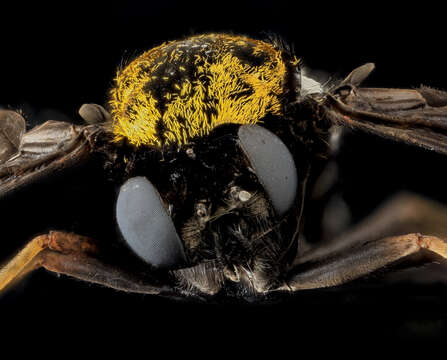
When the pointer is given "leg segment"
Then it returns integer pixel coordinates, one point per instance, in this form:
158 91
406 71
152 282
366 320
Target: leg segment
22 262
76 256
362 260
30 257
403 214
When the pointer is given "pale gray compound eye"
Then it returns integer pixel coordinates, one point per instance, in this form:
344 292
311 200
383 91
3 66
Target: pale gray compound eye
146 226
273 164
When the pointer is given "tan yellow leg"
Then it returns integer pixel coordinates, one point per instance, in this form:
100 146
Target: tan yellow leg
434 244
19 265
74 255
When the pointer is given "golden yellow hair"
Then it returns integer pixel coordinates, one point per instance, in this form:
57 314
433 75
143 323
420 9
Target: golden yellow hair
184 89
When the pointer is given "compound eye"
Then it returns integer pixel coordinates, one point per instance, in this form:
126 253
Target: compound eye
273 164
146 226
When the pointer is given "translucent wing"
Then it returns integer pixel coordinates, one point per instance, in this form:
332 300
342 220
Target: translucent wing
12 128
51 147
412 116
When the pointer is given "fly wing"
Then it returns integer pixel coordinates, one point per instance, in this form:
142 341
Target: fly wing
26 157
412 116
12 128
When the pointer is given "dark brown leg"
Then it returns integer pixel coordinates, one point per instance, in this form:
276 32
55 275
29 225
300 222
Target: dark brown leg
362 260
73 255
403 214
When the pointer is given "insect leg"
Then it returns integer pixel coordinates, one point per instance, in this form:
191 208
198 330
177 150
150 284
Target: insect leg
73 255
30 257
362 260
23 261
404 213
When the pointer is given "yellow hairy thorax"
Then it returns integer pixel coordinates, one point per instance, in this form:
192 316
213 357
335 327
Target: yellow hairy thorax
184 89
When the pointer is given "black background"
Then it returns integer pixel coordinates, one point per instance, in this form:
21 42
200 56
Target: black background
62 55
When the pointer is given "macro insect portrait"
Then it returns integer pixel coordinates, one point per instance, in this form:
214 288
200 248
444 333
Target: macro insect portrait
205 162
